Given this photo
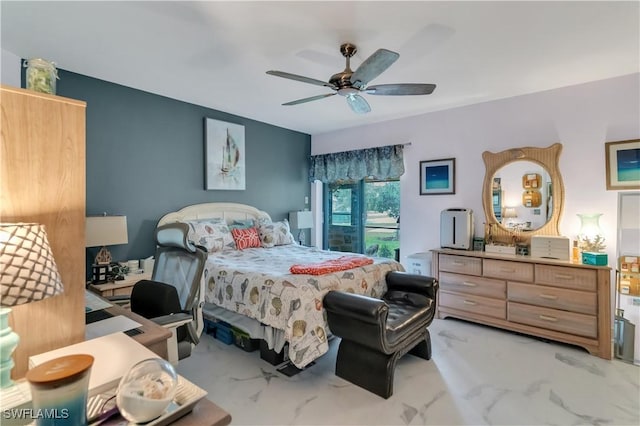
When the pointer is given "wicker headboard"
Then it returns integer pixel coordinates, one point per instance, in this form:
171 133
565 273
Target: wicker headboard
227 211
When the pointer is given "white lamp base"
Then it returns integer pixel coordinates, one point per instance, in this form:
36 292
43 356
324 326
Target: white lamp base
8 342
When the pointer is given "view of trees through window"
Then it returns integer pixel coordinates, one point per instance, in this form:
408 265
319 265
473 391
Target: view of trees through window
382 201
379 202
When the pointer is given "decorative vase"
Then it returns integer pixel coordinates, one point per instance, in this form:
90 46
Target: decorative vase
590 237
8 342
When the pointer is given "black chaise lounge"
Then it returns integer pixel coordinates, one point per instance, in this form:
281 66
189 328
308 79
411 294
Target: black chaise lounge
377 332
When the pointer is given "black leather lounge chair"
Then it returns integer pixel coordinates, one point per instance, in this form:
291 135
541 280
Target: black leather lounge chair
377 332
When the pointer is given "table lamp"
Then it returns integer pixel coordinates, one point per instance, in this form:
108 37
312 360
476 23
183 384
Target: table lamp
103 231
509 213
300 220
590 236
28 273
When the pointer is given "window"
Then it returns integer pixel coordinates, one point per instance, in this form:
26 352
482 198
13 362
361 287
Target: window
381 229
363 217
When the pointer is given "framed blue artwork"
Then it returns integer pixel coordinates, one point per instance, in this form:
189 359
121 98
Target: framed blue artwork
623 164
437 177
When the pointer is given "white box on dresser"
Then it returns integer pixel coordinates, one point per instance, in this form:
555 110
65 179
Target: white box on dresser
500 249
551 247
548 298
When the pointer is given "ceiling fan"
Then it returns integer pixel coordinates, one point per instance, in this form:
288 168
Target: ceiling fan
350 83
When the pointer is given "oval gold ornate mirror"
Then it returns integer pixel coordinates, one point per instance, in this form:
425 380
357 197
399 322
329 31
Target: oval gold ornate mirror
522 194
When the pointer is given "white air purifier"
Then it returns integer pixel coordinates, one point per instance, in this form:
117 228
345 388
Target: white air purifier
456 229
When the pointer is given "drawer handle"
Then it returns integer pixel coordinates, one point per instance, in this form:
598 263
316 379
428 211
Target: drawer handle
507 270
548 296
458 263
469 302
468 284
564 277
547 318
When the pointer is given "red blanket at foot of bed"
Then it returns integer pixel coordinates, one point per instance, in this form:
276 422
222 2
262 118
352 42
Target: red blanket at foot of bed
329 266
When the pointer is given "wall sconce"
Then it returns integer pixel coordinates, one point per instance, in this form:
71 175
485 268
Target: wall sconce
28 273
302 219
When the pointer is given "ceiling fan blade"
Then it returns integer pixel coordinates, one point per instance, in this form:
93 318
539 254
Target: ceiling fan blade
401 89
301 78
358 104
373 66
312 98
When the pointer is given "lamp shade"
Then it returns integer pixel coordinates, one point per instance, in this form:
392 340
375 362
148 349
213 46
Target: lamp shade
106 231
509 212
28 271
301 219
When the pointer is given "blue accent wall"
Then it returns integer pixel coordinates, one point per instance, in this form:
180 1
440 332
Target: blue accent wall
145 158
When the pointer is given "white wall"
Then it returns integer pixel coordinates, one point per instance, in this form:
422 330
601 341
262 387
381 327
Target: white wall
581 117
10 69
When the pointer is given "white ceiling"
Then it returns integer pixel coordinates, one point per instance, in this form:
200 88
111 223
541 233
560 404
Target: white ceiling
215 54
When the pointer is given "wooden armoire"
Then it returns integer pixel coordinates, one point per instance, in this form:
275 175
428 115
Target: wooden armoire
42 180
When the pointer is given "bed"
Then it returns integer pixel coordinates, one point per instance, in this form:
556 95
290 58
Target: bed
254 284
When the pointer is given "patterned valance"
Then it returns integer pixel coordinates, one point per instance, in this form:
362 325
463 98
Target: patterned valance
385 162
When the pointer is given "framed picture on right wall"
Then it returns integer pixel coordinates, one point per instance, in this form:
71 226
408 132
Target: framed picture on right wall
623 164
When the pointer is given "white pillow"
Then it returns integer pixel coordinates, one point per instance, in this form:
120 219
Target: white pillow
213 234
275 233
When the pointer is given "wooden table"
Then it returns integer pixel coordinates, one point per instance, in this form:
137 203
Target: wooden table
153 336
119 287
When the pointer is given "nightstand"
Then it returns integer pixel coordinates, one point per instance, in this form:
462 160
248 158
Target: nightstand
120 287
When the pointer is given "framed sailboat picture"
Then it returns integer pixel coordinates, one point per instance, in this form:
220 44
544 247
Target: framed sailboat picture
224 155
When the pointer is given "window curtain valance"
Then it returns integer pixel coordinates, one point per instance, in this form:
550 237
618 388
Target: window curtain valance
385 162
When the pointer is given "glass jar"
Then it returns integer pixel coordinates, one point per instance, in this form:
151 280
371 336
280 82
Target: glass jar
146 390
41 75
59 390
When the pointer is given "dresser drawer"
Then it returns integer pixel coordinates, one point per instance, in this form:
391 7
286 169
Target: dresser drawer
517 271
124 291
560 276
460 264
553 319
470 284
475 304
552 297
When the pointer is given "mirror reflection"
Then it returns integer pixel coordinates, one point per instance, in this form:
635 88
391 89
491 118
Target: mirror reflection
522 196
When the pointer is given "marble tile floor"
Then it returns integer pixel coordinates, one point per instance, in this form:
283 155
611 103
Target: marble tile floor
477 376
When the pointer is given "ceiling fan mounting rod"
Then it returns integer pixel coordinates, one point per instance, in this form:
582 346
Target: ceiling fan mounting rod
348 50
342 80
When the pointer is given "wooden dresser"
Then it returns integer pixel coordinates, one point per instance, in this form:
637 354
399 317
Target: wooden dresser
553 299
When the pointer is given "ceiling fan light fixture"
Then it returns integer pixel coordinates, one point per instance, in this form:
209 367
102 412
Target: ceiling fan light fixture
347 91
358 104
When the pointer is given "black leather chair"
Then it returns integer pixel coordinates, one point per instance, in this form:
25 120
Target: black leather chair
377 332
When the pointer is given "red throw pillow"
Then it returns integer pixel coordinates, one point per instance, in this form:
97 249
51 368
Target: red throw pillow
246 238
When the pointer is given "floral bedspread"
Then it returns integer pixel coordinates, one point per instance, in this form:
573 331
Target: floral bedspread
256 282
